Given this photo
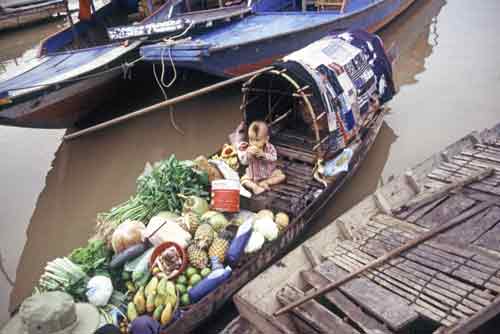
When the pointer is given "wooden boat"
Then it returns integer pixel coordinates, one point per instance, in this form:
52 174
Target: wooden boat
273 29
445 284
17 14
301 137
75 65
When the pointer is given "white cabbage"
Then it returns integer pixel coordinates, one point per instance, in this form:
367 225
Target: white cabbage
267 227
255 242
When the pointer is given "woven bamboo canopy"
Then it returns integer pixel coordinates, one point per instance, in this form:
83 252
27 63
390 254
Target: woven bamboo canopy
287 96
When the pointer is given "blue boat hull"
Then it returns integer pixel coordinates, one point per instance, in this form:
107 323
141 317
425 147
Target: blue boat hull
235 59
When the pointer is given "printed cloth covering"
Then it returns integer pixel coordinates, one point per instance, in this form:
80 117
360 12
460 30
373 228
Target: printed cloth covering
348 69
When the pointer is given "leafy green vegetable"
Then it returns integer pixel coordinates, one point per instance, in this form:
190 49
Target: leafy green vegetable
94 258
158 189
63 275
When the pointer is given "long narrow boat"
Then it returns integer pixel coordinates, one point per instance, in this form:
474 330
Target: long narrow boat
437 285
17 14
293 98
274 29
74 66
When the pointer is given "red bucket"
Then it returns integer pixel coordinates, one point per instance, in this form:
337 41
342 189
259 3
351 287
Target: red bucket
226 195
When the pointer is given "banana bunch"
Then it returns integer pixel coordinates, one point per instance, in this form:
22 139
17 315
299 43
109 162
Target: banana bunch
228 155
158 298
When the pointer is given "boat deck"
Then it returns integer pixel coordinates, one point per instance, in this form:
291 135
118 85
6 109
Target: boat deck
448 284
260 26
53 69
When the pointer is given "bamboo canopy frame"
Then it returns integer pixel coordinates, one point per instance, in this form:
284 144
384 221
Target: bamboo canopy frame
299 92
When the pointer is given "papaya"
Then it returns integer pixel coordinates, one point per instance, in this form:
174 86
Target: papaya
162 286
159 300
158 311
131 312
140 301
150 303
166 315
151 287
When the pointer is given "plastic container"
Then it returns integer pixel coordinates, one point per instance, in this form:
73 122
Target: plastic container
226 195
160 248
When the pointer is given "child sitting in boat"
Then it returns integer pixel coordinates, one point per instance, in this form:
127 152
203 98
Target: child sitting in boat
260 156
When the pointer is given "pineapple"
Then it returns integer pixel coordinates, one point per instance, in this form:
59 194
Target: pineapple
197 256
204 236
220 246
192 221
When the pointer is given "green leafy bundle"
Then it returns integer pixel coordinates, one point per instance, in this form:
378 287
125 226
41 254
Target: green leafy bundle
158 189
94 258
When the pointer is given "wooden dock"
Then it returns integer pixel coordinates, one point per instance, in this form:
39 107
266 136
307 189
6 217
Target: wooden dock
448 284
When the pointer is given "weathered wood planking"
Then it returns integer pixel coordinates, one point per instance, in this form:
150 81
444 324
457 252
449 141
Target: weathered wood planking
346 306
313 313
381 303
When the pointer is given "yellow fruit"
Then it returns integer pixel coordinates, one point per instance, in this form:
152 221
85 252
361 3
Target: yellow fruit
162 286
151 287
140 301
159 300
166 314
158 311
197 256
265 213
282 220
219 249
150 303
131 311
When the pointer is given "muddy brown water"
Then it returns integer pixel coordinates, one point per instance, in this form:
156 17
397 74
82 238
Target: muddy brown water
448 77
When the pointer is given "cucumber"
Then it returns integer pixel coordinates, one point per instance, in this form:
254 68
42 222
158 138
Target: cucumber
128 254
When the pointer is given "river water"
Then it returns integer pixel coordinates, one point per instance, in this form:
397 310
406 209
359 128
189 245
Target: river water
50 192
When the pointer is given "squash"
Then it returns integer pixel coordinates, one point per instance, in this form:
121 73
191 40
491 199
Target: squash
128 233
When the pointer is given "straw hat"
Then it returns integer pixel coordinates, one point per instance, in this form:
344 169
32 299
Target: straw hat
53 313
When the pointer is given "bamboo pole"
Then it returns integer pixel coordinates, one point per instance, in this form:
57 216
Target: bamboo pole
164 104
395 252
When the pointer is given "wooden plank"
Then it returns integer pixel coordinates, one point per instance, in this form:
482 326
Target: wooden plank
473 229
467 326
313 313
442 280
423 286
447 210
481 196
381 303
427 197
351 310
412 215
490 240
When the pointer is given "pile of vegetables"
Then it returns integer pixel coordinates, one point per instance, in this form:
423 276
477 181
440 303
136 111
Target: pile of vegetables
161 187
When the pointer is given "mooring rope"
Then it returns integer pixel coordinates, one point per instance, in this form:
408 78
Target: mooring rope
161 82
